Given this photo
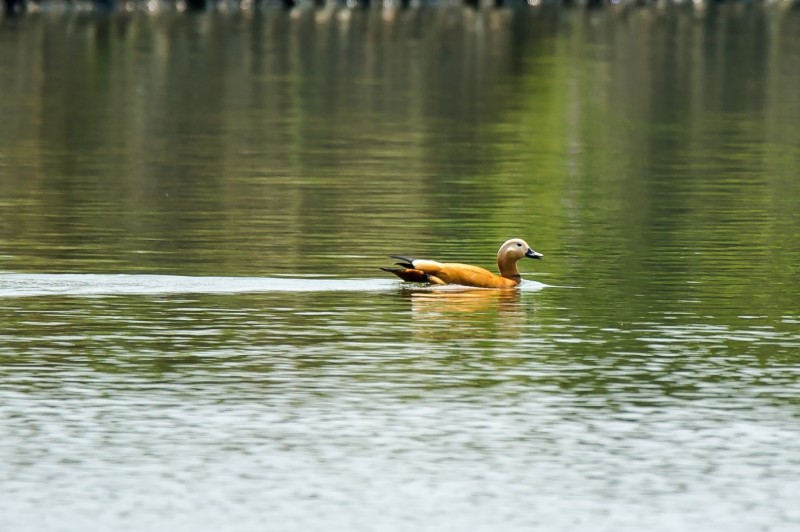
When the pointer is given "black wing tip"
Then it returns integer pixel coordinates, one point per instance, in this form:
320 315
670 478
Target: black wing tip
407 261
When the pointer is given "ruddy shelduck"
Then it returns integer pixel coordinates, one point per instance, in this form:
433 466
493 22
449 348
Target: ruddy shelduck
432 272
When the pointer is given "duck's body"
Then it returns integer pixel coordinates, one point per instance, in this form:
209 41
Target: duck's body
432 272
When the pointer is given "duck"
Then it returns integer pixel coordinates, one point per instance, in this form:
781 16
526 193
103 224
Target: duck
442 273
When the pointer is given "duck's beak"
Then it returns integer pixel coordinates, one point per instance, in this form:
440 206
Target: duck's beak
531 254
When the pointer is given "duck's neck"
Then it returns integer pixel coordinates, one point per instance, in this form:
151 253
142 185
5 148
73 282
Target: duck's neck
508 268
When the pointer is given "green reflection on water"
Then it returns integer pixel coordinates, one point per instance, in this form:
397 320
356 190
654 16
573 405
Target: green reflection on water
651 155
623 145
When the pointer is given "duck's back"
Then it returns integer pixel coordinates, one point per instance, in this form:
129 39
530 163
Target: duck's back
468 275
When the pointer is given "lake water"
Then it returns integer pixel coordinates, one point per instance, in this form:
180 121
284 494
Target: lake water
196 334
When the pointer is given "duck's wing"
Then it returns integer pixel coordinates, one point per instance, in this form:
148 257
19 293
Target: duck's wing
431 271
416 270
406 261
468 275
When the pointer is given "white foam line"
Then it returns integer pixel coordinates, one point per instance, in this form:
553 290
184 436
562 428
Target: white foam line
27 285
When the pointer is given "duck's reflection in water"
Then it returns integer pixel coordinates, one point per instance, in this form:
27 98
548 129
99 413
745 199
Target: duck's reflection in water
464 313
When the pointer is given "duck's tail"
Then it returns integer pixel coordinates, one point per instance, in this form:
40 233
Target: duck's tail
408 274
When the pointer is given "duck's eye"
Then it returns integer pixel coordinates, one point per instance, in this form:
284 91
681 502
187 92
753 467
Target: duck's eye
519 245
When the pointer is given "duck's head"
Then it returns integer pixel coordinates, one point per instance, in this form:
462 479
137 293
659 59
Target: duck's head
516 249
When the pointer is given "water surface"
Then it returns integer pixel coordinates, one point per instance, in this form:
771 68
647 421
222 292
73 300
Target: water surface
196 335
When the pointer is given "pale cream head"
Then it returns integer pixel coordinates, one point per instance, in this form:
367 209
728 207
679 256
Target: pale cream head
514 250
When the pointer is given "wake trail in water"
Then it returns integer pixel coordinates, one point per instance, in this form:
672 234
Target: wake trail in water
20 284
28 285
